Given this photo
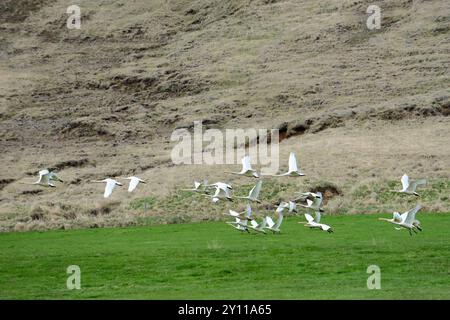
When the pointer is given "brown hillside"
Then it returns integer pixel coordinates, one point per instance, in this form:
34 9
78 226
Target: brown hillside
359 107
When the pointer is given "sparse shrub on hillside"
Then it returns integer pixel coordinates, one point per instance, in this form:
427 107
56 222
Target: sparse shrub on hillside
37 213
104 208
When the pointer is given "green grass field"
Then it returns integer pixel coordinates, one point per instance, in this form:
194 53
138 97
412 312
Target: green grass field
210 260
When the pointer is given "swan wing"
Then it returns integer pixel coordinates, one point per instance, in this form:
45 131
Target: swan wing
43 176
270 222
133 184
110 185
254 193
249 211
317 218
292 206
318 200
302 196
309 218
413 186
53 176
279 220
233 213
243 223
405 182
397 217
412 214
246 165
403 216
292 162
281 206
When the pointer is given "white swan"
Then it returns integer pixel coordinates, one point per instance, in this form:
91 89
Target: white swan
313 200
407 220
315 222
221 185
110 185
293 170
271 225
415 223
246 215
239 224
45 178
197 186
220 193
409 187
258 227
254 193
291 206
246 168
134 181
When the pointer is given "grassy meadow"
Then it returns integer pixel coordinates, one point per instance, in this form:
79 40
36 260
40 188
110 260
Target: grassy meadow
210 260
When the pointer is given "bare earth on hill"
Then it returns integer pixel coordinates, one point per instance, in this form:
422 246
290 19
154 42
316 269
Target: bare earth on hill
359 107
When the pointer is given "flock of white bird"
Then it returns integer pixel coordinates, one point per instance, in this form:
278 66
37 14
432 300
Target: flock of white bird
244 221
46 179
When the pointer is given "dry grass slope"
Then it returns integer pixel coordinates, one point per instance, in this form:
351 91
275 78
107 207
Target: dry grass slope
359 107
